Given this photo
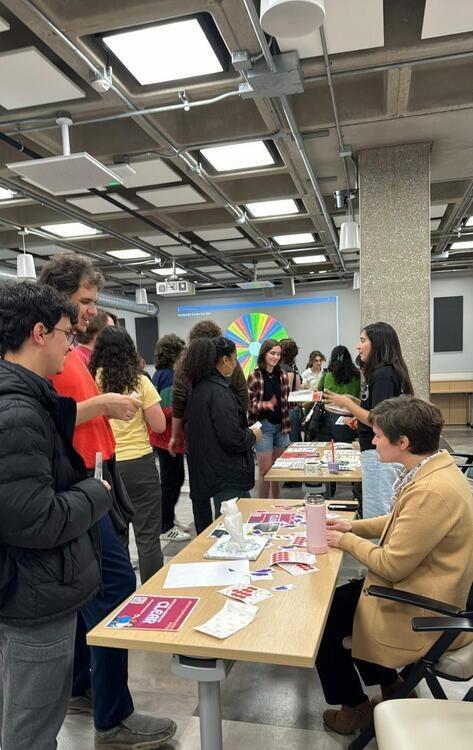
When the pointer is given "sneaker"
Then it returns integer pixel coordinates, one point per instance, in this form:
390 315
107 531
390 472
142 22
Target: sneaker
175 535
81 704
136 732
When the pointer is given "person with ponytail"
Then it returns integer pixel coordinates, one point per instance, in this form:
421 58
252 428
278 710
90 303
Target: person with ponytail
385 375
219 441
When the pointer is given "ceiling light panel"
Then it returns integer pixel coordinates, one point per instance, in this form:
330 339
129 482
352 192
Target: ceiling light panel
284 207
19 88
469 222
308 259
166 52
181 195
238 156
233 244
346 29
465 245
70 229
168 271
4 25
444 18
5 194
227 233
93 204
303 238
149 172
131 253
158 240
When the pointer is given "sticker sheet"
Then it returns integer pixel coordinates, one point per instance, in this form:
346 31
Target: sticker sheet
246 594
229 620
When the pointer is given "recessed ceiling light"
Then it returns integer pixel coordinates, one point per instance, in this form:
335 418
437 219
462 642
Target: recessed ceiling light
304 238
129 254
167 52
168 271
306 259
4 25
273 208
467 245
70 229
469 223
238 156
5 194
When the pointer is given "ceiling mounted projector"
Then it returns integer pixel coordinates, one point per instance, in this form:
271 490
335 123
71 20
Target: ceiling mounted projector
256 283
68 173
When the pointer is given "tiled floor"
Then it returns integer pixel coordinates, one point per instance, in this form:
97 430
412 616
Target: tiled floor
263 706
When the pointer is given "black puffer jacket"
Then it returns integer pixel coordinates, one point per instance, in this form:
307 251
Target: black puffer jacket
49 544
220 443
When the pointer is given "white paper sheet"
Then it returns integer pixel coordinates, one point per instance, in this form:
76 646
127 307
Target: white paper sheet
188 575
232 617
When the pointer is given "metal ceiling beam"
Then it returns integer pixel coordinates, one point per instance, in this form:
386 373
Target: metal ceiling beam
453 220
290 117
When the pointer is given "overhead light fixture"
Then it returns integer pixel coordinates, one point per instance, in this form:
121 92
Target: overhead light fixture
141 296
356 280
440 256
25 268
463 245
287 18
283 207
308 259
5 194
238 156
70 229
132 253
169 271
469 222
165 52
303 238
349 236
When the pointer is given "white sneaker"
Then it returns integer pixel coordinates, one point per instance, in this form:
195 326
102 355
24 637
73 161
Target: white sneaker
175 535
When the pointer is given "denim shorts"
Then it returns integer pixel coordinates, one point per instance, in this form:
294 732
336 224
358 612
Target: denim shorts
272 437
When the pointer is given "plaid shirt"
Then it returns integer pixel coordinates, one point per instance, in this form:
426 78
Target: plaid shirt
256 395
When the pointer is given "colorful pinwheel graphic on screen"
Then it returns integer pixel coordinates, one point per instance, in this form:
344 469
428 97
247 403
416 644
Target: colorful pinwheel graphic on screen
248 332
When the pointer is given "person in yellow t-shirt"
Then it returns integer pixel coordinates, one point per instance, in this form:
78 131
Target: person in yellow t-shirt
116 369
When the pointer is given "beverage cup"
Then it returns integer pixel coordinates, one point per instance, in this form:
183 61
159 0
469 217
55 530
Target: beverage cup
333 467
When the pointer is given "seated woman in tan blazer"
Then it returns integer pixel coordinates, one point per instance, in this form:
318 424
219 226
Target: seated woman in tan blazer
425 547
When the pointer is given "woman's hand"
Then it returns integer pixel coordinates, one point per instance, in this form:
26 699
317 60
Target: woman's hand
271 404
337 399
339 524
351 422
333 538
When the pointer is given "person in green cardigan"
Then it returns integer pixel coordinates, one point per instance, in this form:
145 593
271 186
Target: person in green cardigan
341 377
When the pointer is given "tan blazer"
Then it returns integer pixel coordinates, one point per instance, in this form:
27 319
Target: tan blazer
425 547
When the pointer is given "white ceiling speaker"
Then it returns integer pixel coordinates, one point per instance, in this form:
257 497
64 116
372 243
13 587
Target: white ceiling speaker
349 236
141 296
25 267
356 280
291 18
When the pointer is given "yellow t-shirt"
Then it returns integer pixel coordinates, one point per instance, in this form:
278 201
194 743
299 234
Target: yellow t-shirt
131 437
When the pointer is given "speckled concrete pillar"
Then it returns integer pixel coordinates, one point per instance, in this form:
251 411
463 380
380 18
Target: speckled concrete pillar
395 249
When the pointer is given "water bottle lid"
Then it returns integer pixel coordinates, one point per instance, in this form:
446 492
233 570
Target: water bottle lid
313 499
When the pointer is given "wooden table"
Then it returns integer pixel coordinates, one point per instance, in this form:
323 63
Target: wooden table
292 475
287 629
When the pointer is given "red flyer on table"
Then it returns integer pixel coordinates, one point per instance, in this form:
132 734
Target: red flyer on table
154 612
263 517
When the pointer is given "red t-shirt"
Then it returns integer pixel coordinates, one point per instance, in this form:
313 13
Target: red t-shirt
95 435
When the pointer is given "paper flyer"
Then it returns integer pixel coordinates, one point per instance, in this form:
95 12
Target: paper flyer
154 613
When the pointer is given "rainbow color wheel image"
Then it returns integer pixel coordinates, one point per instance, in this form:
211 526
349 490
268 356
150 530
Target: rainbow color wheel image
248 332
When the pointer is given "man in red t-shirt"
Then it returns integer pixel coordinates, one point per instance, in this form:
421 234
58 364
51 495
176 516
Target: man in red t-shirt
101 672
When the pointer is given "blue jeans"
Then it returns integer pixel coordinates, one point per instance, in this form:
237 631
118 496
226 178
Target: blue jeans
377 482
272 437
295 417
105 670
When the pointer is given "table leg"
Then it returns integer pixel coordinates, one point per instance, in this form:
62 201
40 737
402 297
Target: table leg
208 673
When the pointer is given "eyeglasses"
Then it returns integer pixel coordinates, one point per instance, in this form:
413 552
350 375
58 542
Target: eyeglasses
70 335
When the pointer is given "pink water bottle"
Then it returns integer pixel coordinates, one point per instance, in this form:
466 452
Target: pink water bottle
316 524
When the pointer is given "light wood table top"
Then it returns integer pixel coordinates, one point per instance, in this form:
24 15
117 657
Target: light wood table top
287 629
292 475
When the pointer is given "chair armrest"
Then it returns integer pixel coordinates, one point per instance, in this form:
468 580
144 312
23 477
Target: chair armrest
468 456
406 597
461 624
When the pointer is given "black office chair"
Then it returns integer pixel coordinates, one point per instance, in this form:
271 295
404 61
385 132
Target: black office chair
438 661
465 463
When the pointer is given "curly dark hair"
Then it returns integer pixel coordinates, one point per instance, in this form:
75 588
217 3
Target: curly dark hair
66 271
265 347
167 351
205 329
289 352
25 304
202 355
116 355
341 365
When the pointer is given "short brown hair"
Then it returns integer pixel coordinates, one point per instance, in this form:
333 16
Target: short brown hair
66 271
289 352
418 420
205 329
96 325
265 347
168 350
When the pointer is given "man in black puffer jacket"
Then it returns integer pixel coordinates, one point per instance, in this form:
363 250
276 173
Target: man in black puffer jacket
49 544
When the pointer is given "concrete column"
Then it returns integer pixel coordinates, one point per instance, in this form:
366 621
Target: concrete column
395 249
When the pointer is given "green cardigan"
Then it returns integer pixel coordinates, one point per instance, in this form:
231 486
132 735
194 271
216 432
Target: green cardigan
329 383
